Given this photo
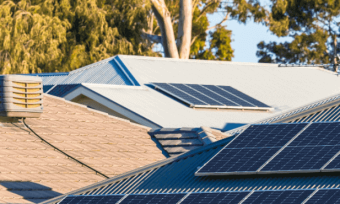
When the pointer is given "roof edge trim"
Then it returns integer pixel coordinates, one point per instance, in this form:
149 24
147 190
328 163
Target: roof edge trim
125 70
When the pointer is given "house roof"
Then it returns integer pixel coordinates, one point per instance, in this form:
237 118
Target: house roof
33 171
283 88
180 178
177 141
327 109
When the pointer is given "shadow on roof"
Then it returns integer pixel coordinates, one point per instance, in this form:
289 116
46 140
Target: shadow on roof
25 191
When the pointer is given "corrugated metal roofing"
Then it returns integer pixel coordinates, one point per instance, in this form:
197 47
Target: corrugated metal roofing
178 175
283 88
107 71
327 109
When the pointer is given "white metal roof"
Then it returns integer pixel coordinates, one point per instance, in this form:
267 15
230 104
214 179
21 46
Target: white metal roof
283 88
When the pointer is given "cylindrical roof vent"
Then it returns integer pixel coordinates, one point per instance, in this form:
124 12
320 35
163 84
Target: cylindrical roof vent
21 96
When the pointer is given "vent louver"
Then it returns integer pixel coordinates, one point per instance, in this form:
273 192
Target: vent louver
21 96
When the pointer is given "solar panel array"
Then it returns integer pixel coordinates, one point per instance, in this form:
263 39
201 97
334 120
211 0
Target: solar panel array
279 148
308 196
197 95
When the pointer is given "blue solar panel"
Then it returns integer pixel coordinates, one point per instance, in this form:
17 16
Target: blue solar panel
319 134
325 196
335 164
214 198
92 199
211 94
182 95
302 158
153 199
276 197
238 160
228 95
243 96
197 94
62 90
275 135
47 87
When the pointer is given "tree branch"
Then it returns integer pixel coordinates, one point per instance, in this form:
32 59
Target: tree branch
206 8
220 23
153 38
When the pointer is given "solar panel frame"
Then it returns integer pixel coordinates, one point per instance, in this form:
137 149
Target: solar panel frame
91 199
207 96
153 198
198 173
215 197
296 160
235 99
184 97
280 196
325 196
243 96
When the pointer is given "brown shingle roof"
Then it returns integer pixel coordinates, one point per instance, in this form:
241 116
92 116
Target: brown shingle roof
108 144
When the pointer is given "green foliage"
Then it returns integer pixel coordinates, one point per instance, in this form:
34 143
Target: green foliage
220 47
51 35
313 26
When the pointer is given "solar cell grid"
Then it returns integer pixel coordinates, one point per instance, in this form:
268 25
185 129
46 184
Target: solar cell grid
92 199
302 158
238 160
228 95
276 135
213 95
326 196
215 198
243 96
179 93
153 199
197 94
278 197
319 134
334 164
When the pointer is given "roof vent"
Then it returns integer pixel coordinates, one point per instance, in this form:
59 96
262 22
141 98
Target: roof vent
21 96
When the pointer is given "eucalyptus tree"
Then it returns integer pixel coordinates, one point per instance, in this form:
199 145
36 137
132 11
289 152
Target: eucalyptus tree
50 35
313 26
183 27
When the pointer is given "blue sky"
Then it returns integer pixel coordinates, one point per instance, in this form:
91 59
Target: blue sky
246 37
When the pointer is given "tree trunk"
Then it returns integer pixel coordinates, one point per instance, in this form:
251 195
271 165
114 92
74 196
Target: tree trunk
184 28
335 53
164 21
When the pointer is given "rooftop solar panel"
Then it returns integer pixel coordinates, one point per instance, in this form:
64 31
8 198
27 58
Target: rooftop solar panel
325 196
276 197
311 158
243 96
211 96
152 199
228 95
92 199
333 164
319 134
223 100
238 160
197 94
273 135
179 94
214 198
